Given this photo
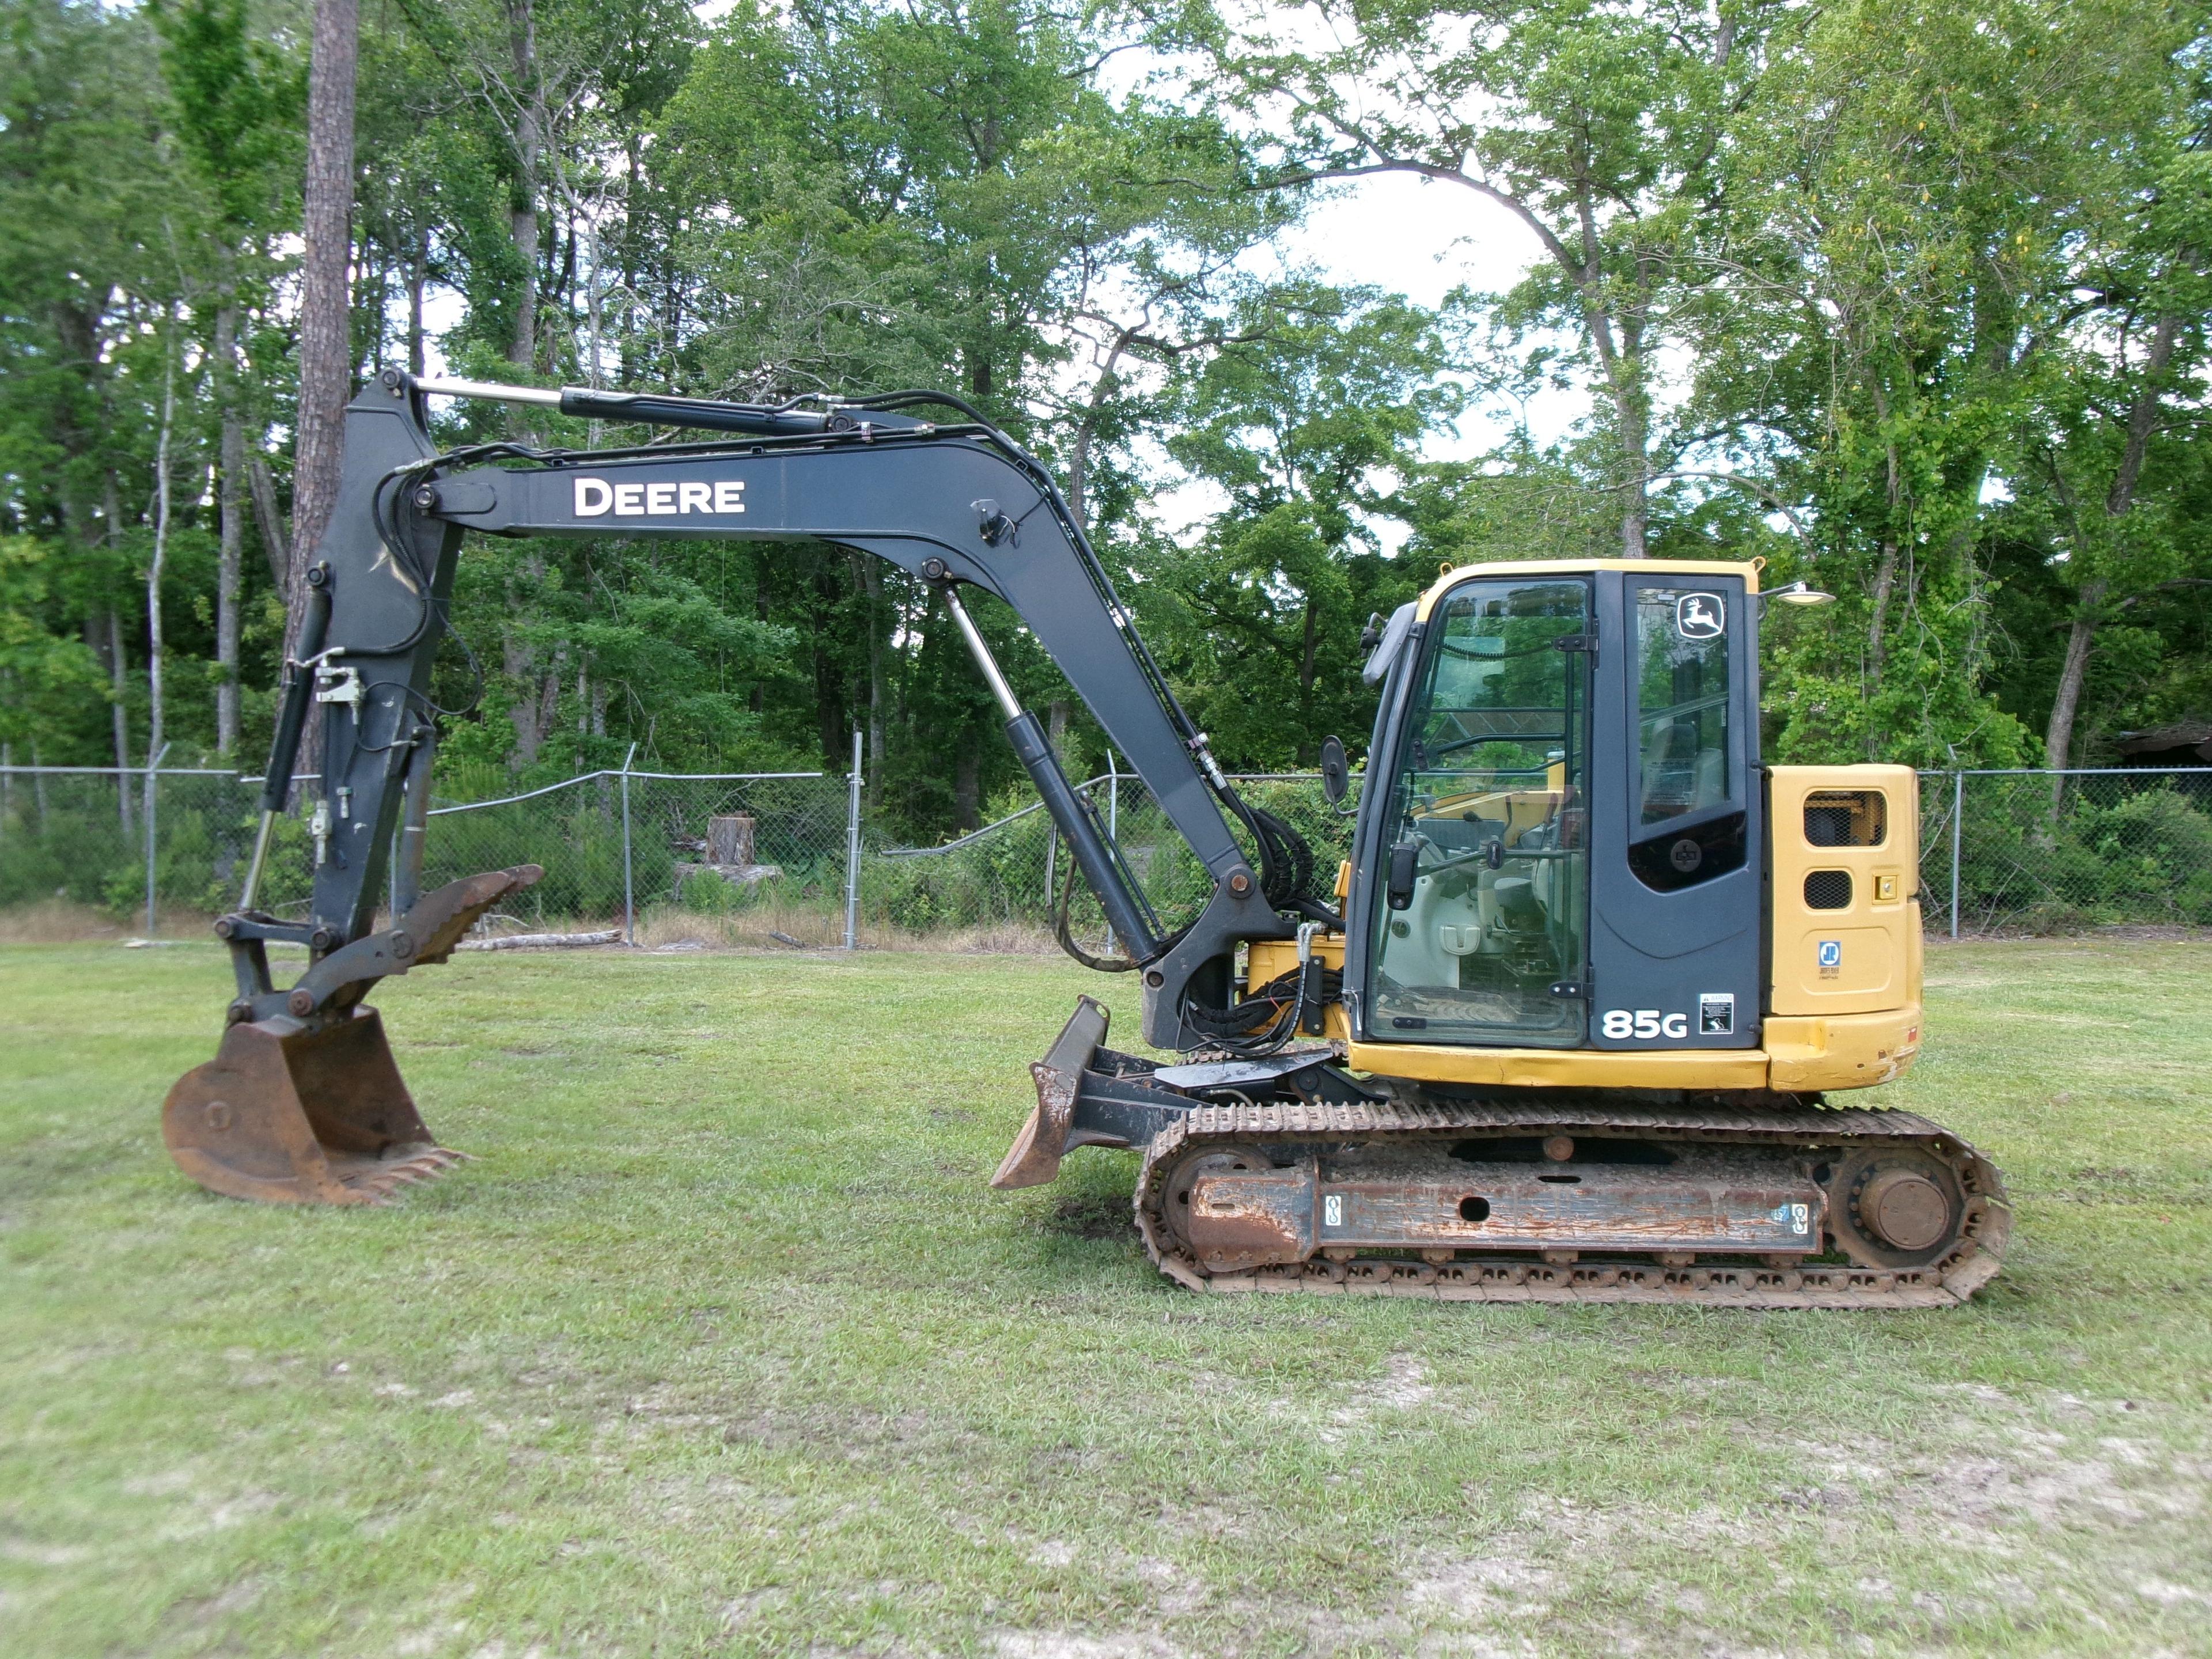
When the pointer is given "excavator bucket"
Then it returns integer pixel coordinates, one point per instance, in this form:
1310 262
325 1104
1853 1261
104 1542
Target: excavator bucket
287 1114
304 1105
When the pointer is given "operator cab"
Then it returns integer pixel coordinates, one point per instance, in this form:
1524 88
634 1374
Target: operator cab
1568 855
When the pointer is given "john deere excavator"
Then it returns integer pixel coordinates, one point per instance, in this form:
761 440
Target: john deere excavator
1564 1028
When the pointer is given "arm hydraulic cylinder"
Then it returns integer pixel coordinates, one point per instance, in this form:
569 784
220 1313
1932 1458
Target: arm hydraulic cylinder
1094 855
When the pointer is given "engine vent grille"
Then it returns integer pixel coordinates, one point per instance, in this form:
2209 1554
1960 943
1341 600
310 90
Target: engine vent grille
1828 890
1847 817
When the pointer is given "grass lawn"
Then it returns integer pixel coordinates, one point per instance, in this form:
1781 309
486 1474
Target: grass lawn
724 1346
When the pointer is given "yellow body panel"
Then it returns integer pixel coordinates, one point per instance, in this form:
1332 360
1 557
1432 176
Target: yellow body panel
1843 1051
1565 1068
1849 1051
1267 959
1863 957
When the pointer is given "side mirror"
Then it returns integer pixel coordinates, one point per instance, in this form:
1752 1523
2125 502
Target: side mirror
1335 770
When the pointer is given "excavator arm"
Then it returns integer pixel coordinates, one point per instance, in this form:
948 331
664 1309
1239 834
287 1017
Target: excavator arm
954 501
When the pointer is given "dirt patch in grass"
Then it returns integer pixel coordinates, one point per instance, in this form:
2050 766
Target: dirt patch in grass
668 929
1065 1644
1092 1215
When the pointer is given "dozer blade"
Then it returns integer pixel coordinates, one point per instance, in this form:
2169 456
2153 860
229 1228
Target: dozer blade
1033 1159
285 1114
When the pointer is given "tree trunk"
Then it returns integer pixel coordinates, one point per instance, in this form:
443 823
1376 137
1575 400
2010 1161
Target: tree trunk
967 785
325 316
120 687
268 518
549 693
155 643
2058 736
1885 586
758 701
2142 417
529 734
828 684
870 572
112 654
1618 340
418 271
529 147
2080 640
1885 575
1078 455
1628 403
230 505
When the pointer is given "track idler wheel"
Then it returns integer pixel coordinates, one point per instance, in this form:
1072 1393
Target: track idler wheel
289 1114
1233 1209
1895 1207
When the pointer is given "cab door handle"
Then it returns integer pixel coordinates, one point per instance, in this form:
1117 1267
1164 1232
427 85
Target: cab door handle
1404 860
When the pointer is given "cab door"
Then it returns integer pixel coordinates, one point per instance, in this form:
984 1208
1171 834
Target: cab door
1676 852
1475 872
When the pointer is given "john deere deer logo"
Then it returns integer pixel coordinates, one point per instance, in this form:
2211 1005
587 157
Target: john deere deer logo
1700 616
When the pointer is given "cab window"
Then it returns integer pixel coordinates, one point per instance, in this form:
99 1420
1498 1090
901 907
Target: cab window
1686 820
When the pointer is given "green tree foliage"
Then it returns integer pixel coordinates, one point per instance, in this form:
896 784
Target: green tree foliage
1906 296
1308 422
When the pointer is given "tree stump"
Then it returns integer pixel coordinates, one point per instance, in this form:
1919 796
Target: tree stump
730 840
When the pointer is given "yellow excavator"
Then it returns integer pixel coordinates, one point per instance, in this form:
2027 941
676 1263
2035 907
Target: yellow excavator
1567 1025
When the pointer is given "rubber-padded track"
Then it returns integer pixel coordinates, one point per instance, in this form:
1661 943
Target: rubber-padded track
1972 1263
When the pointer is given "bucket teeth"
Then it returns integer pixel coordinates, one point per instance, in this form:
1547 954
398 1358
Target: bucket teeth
383 1183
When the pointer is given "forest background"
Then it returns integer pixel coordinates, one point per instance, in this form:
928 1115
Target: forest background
1909 298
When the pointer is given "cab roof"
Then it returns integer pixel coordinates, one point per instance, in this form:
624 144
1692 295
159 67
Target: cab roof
1455 574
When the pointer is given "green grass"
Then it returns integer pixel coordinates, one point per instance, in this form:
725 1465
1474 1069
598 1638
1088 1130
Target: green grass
723 1347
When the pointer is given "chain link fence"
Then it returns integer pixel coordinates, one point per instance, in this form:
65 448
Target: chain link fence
617 848
79 834
787 857
1013 870
2057 852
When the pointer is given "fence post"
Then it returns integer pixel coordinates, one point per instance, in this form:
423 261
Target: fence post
629 897
153 764
1957 820
852 850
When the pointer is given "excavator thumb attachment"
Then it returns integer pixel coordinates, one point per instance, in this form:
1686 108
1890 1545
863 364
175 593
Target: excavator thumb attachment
303 1102
1033 1159
286 1114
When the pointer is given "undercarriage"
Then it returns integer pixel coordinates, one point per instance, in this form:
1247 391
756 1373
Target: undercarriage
1291 1174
